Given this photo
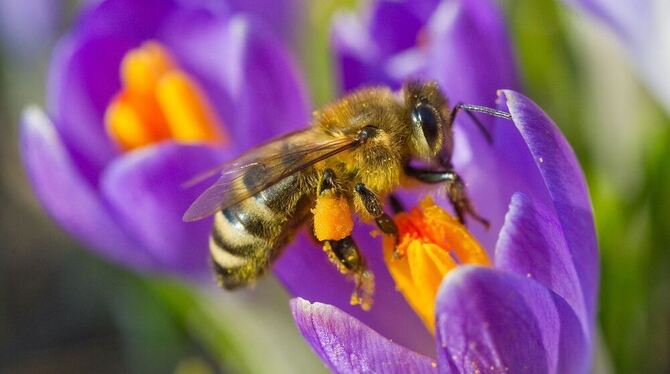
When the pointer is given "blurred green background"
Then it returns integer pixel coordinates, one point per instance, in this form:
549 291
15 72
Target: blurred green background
64 310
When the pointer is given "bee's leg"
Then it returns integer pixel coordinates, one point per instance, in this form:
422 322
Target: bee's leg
374 207
346 256
343 252
455 191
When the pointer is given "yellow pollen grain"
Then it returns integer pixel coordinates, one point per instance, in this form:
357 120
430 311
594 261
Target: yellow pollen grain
427 234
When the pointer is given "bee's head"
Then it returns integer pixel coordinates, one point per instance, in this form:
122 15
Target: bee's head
427 112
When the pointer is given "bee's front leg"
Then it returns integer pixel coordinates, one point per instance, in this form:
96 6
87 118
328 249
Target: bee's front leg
333 224
455 190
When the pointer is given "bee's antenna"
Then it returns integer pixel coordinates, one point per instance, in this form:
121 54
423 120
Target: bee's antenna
469 109
485 110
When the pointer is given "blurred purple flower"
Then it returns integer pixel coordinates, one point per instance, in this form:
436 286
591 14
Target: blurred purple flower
128 205
27 26
534 311
642 27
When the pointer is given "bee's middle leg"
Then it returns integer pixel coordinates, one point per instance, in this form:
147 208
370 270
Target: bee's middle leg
374 207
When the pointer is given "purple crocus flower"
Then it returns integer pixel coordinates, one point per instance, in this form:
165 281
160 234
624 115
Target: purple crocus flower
125 203
534 310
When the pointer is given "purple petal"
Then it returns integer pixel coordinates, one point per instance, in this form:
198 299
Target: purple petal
253 80
470 53
285 17
564 181
68 197
395 25
490 321
348 346
532 244
28 26
356 54
145 190
84 75
306 272
129 18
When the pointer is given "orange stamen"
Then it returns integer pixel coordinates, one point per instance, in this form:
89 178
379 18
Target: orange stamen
159 101
430 244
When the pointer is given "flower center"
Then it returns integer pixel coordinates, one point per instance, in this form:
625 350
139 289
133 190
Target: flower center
158 101
430 244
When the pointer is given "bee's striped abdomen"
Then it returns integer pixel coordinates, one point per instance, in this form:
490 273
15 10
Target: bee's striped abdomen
248 236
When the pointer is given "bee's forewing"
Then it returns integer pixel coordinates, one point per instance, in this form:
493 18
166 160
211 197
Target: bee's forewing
264 166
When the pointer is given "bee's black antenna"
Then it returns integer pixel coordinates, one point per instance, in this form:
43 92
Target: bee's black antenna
469 109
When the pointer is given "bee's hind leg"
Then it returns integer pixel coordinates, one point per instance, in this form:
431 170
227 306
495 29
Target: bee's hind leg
374 207
332 226
346 256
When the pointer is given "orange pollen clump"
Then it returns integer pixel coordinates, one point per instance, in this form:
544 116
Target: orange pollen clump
158 101
430 244
332 218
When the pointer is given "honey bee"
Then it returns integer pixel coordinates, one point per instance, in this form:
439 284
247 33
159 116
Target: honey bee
356 152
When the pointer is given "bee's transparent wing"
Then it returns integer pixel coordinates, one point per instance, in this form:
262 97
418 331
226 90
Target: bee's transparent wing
262 167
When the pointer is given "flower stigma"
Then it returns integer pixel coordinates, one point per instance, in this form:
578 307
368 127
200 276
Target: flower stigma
159 101
430 244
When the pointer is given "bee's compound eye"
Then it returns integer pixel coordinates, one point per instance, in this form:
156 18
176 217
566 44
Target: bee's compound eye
427 117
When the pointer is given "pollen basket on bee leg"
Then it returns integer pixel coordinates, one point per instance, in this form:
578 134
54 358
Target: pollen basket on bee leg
333 219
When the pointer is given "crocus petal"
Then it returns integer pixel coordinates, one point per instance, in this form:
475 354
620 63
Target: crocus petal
470 53
532 244
565 183
306 271
145 189
364 44
348 346
356 54
84 75
284 16
395 25
491 321
256 86
27 26
68 197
